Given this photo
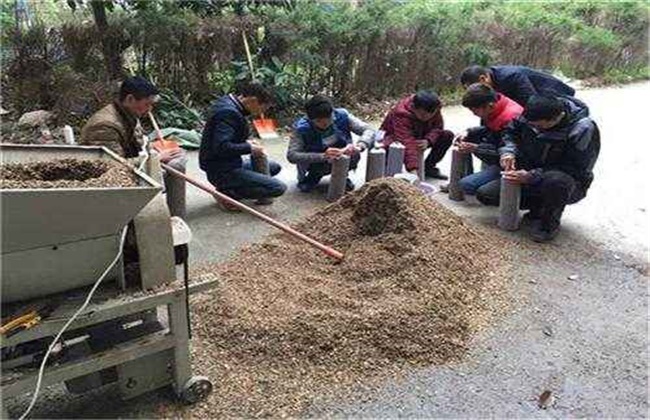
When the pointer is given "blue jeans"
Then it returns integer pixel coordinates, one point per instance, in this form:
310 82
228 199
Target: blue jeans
473 182
245 183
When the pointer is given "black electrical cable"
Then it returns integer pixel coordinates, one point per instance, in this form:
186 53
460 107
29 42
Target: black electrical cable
186 278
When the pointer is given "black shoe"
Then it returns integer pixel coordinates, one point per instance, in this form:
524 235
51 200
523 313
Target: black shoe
306 187
349 185
543 234
530 218
435 174
264 201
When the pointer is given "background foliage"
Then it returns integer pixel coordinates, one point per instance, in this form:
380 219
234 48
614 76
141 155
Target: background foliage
354 51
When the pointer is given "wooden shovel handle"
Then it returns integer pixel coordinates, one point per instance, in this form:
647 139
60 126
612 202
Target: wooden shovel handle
288 229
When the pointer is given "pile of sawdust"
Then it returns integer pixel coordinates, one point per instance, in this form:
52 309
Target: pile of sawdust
66 173
287 323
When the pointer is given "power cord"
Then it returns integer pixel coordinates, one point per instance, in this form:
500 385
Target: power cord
41 370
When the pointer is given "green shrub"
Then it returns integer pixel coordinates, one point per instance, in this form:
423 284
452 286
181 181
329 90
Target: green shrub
376 49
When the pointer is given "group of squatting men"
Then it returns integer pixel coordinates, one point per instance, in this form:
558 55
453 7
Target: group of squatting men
532 132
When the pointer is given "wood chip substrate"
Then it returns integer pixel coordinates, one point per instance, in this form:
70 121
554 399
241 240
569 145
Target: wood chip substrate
288 326
66 173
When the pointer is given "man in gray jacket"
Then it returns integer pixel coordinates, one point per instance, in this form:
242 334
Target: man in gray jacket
324 134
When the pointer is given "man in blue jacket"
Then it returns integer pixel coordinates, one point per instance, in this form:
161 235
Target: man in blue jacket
518 83
323 134
226 139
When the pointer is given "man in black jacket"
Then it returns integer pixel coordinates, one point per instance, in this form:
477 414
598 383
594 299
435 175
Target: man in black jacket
551 151
226 139
518 83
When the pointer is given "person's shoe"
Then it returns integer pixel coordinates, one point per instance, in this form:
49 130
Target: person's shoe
444 188
349 185
264 201
530 218
306 187
543 234
435 174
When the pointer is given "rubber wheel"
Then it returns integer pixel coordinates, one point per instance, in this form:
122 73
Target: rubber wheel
196 389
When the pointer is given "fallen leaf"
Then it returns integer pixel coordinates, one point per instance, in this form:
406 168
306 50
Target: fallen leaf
545 400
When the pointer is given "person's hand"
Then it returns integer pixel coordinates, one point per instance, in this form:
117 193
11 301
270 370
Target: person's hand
466 147
170 154
519 177
508 162
332 153
422 144
460 138
256 148
351 150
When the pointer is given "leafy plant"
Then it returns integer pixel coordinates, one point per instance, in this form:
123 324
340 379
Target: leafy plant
174 112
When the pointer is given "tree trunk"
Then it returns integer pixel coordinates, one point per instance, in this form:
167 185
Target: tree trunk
110 47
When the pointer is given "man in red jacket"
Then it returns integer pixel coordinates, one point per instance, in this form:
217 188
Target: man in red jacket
496 111
417 123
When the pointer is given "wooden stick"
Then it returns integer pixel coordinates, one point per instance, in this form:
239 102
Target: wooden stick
248 55
250 64
155 127
291 231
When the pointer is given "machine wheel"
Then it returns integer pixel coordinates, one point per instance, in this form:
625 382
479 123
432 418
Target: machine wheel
196 389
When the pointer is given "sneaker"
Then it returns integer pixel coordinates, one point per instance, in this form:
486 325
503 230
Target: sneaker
349 185
435 174
542 234
444 188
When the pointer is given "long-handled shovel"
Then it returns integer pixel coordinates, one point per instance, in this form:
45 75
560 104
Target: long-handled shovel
291 231
266 127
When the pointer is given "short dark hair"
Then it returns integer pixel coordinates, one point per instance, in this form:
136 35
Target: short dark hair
137 86
319 106
257 90
426 100
478 95
471 74
541 107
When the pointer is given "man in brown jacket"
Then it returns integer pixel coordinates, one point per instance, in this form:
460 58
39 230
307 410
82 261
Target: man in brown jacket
117 127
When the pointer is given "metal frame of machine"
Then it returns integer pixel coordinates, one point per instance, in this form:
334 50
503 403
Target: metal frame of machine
118 306
123 336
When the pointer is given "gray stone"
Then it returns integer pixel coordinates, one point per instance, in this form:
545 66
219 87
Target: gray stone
35 118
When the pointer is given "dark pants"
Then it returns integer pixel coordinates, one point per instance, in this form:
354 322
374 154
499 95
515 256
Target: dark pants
546 200
245 183
438 149
315 171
